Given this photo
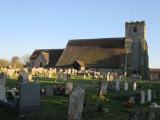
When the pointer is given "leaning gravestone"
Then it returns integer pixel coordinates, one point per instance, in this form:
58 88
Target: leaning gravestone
103 89
2 87
29 100
49 91
76 103
69 88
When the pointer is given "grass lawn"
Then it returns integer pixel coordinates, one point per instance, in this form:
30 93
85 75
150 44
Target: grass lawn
56 107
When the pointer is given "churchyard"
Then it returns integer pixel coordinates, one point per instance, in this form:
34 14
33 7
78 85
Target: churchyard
77 96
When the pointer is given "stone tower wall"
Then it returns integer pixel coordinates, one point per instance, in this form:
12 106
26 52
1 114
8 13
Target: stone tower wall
136 31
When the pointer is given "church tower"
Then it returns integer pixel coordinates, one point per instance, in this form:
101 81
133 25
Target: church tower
136 32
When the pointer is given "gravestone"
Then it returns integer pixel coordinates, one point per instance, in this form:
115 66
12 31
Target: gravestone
59 76
24 76
49 91
117 86
76 103
142 97
69 88
108 76
149 95
103 88
29 100
30 77
36 80
154 95
126 86
65 76
2 87
84 76
50 73
134 86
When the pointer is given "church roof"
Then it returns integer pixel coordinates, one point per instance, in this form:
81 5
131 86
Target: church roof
45 55
51 55
96 53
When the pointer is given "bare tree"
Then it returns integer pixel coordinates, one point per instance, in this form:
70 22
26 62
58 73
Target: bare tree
4 63
16 62
26 58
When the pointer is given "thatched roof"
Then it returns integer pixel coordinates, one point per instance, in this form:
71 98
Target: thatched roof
96 53
45 55
51 54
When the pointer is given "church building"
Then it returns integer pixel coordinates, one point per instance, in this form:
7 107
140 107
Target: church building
127 54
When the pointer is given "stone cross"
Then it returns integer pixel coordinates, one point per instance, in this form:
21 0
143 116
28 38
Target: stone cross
76 103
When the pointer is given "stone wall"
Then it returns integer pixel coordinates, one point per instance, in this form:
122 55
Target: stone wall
136 31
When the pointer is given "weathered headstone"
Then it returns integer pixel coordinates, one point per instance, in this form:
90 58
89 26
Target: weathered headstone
76 103
29 100
65 77
69 88
149 95
103 88
24 76
142 97
108 76
49 91
84 76
2 87
117 86
30 77
134 86
126 86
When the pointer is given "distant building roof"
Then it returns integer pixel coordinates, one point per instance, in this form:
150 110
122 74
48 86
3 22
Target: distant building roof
154 70
51 55
96 53
45 55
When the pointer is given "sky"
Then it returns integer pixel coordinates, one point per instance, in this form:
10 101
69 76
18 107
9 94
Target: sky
26 25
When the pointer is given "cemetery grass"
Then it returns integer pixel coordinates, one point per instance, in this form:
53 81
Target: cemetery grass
56 107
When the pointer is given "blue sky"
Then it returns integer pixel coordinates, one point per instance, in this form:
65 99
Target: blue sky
26 25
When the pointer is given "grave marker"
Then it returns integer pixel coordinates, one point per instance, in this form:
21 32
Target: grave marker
76 103
2 87
29 100
149 95
103 88
69 88
142 97
117 86
49 91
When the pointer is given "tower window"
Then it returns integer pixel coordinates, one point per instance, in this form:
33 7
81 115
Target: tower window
134 29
